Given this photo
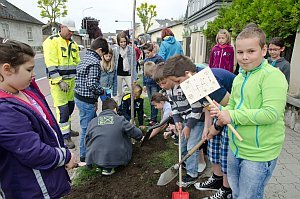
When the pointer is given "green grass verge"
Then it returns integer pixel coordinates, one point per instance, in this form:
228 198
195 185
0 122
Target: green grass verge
167 158
83 174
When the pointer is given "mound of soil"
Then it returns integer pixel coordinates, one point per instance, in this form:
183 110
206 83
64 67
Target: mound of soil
136 180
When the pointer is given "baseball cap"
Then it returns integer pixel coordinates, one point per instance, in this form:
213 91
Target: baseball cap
70 24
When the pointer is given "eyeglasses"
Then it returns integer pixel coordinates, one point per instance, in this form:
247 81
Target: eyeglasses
273 49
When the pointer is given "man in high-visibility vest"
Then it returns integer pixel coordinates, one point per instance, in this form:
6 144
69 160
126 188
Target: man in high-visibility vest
61 58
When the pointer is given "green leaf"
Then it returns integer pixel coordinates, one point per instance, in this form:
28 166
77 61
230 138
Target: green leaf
146 13
52 9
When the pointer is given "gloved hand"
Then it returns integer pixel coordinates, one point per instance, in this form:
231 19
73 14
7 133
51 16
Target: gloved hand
63 86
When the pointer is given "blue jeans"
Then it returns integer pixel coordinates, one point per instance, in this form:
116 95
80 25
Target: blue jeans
191 164
248 179
150 91
86 113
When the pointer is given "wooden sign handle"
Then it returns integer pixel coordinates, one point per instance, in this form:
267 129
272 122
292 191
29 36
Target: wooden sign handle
229 125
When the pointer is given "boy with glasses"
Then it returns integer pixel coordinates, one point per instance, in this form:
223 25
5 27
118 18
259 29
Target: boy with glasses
276 46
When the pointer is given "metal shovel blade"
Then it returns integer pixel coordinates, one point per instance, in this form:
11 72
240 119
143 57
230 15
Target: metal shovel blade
172 172
167 176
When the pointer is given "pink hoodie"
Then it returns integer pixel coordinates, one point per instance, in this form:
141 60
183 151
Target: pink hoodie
222 56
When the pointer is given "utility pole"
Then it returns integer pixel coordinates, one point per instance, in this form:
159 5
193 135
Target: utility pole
132 63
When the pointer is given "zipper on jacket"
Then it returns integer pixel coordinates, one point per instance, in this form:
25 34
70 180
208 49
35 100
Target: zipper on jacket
233 140
238 107
256 137
69 52
221 58
242 90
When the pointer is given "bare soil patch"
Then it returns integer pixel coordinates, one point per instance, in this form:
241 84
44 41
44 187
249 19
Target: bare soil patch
137 180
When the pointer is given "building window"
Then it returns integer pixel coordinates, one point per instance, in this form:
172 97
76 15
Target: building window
201 45
5 29
29 33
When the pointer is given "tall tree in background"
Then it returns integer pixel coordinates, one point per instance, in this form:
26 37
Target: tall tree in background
53 9
278 18
92 27
146 13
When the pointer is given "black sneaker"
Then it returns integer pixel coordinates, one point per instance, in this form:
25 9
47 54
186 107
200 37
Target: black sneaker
70 144
152 123
212 184
176 141
82 159
74 133
221 194
108 172
187 180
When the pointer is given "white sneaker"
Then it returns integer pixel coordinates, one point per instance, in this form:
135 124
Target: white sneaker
201 167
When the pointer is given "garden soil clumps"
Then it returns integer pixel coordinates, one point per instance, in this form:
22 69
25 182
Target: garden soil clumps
139 178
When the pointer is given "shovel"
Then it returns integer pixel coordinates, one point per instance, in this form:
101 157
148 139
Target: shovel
172 172
180 194
149 131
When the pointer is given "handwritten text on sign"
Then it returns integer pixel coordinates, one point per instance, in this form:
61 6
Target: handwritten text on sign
199 85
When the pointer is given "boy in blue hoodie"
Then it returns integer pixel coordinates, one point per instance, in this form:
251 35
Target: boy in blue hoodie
150 86
169 46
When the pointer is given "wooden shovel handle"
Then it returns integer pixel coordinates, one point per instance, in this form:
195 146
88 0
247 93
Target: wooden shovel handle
191 151
229 125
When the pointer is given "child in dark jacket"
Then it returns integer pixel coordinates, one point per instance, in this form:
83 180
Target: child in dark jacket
276 46
108 142
150 86
222 54
124 108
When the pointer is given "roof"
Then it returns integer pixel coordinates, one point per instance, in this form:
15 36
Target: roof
11 12
174 23
109 34
165 22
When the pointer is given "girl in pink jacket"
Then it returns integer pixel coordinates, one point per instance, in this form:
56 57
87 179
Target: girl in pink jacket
222 54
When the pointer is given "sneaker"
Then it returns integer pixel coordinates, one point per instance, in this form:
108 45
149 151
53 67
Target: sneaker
173 136
187 180
74 133
176 141
212 184
82 159
70 144
201 167
152 123
221 194
98 169
108 172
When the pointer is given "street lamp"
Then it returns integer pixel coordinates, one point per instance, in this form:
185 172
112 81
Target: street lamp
85 10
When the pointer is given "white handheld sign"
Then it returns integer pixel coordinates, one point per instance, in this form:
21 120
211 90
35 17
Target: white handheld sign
199 85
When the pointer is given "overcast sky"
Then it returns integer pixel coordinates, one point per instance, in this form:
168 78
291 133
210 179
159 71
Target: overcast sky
107 11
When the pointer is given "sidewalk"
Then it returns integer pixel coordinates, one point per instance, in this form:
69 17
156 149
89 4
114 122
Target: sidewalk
285 182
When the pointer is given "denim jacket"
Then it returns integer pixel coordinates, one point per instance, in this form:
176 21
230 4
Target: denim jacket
109 80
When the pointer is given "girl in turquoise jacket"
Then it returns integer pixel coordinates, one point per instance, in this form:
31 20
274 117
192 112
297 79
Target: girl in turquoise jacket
170 46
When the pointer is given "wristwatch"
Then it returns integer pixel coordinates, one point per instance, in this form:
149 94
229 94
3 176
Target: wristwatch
218 127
